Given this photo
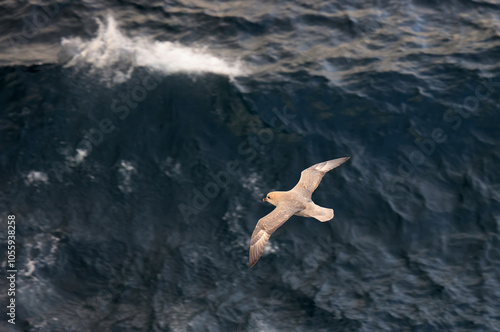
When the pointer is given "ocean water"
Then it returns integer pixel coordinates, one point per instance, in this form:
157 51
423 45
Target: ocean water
138 138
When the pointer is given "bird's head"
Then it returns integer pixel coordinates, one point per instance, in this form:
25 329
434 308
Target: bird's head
271 198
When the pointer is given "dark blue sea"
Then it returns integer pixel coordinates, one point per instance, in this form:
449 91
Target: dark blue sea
138 138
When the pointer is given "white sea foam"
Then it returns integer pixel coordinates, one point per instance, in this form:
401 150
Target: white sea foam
171 167
80 155
36 177
253 182
126 170
30 268
115 55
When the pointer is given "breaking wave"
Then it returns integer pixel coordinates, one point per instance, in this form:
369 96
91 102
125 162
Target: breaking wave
114 55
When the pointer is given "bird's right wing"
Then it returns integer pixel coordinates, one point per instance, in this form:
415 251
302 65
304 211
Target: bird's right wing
265 227
310 178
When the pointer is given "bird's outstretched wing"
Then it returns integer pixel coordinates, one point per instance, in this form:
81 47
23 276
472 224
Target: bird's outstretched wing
265 227
311 177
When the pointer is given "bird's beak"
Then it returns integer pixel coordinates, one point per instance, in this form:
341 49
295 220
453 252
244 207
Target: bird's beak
264 199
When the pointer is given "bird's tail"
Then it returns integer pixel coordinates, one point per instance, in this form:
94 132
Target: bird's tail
322 214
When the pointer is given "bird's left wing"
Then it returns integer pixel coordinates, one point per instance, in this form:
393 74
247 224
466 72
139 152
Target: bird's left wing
311 177
265 227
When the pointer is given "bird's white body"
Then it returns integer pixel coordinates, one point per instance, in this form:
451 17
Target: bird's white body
296 201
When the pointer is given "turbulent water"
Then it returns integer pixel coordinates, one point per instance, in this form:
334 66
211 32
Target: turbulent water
138 138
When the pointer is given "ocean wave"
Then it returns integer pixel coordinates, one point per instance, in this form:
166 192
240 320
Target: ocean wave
114 56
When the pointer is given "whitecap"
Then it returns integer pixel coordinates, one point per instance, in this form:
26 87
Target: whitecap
114 56
126 170
34 177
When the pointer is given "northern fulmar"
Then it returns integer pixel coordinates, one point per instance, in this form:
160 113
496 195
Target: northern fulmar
296 201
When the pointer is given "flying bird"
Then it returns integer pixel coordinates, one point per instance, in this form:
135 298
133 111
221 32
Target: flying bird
296 201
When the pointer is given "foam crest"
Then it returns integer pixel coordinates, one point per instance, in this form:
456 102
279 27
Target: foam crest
115 55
